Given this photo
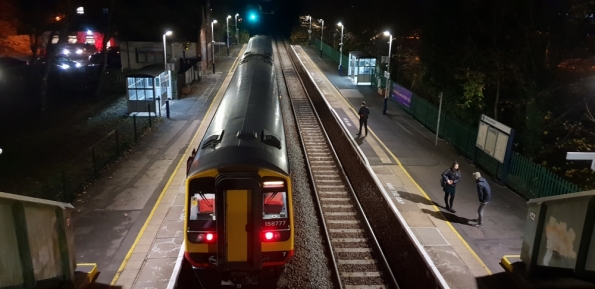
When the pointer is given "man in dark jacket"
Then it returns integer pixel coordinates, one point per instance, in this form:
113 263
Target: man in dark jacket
485 196
363 118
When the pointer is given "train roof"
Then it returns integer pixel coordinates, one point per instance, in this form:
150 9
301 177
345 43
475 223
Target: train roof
247 128
259 45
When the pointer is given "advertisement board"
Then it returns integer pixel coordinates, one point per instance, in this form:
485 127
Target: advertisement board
401 95
493 138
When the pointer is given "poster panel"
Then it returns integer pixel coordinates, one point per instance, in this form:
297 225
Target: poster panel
490 144
401 95
481 135
501 143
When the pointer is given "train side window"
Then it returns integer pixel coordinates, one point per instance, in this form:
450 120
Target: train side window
274 205
202 207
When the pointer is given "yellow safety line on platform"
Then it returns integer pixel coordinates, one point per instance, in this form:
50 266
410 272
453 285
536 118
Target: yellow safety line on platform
183 159
411 178
506 263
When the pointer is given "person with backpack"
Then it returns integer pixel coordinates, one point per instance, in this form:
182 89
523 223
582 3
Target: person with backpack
449 180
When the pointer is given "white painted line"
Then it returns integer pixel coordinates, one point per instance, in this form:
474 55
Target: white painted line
177 268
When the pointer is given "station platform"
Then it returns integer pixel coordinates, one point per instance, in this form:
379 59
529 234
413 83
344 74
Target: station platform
130 221
402 154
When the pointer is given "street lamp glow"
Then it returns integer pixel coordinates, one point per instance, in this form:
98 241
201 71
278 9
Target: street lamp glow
227 32
167 33
213 42
341 48
310 29
387 87
237 39
321 34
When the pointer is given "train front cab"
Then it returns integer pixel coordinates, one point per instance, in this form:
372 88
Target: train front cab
239 227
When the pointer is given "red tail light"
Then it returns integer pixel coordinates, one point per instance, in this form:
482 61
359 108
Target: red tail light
206 238
271 236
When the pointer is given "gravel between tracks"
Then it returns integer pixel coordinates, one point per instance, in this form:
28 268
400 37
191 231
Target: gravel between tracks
309 268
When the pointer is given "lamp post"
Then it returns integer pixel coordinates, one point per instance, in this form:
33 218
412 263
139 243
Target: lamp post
341 48
321 33
237 37
386 93
310 30
213 42
227 28
167 33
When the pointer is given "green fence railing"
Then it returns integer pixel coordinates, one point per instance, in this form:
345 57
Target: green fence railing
527 178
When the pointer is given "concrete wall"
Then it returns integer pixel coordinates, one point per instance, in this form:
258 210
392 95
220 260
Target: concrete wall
36 241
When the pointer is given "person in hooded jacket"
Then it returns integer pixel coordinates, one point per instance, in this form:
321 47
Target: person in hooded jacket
450 178
484 192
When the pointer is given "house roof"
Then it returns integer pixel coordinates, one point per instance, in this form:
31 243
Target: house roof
361 54
152 70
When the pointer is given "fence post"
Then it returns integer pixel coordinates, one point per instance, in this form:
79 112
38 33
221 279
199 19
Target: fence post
149 111
134 124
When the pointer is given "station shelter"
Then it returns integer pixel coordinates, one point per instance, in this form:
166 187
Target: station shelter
147 88
362 67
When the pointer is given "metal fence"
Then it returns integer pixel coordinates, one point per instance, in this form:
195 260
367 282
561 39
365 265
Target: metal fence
82 169
527 178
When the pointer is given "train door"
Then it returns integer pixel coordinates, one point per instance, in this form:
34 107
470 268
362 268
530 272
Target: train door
240 213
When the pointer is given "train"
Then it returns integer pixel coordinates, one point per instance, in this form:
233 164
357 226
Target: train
239 226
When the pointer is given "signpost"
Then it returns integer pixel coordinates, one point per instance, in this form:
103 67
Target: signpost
495 139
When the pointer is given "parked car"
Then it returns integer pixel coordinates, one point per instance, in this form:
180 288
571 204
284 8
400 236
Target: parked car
12 69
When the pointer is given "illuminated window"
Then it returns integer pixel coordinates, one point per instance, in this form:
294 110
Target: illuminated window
80 10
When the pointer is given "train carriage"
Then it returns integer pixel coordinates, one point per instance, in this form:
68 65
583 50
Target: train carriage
239 217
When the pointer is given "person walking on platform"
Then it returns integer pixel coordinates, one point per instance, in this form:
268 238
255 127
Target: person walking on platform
363 118
484 192
450 178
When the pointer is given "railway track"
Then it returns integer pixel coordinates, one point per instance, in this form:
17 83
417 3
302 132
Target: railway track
358 259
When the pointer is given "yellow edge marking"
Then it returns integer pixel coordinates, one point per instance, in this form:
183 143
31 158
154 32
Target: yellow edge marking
183 159
414 182
91 274
506 263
